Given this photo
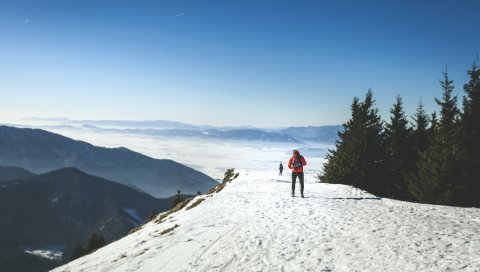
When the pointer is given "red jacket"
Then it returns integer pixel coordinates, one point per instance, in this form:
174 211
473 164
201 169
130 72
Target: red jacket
302 160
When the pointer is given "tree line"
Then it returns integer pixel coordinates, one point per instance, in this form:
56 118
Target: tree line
95 241
434 159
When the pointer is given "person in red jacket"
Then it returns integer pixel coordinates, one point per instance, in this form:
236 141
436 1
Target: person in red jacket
296 163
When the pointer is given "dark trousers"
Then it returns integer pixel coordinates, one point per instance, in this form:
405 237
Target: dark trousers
300 178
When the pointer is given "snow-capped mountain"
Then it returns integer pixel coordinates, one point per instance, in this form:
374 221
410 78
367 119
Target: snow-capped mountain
254 224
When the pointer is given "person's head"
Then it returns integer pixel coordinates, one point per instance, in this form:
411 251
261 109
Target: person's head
296 152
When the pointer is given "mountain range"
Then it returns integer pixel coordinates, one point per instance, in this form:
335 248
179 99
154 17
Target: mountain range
8 173
328 134
214 134
324 134
56 210
40 151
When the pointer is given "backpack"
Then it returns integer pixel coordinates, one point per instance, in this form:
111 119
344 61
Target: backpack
297 162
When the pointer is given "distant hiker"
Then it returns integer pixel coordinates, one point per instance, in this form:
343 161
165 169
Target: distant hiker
296 163
280 168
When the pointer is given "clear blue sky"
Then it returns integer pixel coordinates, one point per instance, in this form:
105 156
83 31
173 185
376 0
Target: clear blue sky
262 63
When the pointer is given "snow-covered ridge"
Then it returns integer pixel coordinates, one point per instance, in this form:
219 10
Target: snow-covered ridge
254 225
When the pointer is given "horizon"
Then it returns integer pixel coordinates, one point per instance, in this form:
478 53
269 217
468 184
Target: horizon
58 120
241 63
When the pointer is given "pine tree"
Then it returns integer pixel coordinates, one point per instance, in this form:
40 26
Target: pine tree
177 199
422 137
420 133
335 170
398 136
432 129
449 114
95 242
77 252
372 153
439 177
471 136
433 126
358 156
152 215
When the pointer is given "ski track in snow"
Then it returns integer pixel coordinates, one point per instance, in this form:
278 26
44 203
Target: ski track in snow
255 225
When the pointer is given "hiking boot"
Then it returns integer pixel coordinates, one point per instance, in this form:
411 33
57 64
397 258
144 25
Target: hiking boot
293 194
302 195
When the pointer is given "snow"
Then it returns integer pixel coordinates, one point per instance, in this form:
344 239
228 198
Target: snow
56 199
55 255
254 224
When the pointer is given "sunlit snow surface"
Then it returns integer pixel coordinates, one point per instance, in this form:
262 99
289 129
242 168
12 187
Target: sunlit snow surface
255 225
